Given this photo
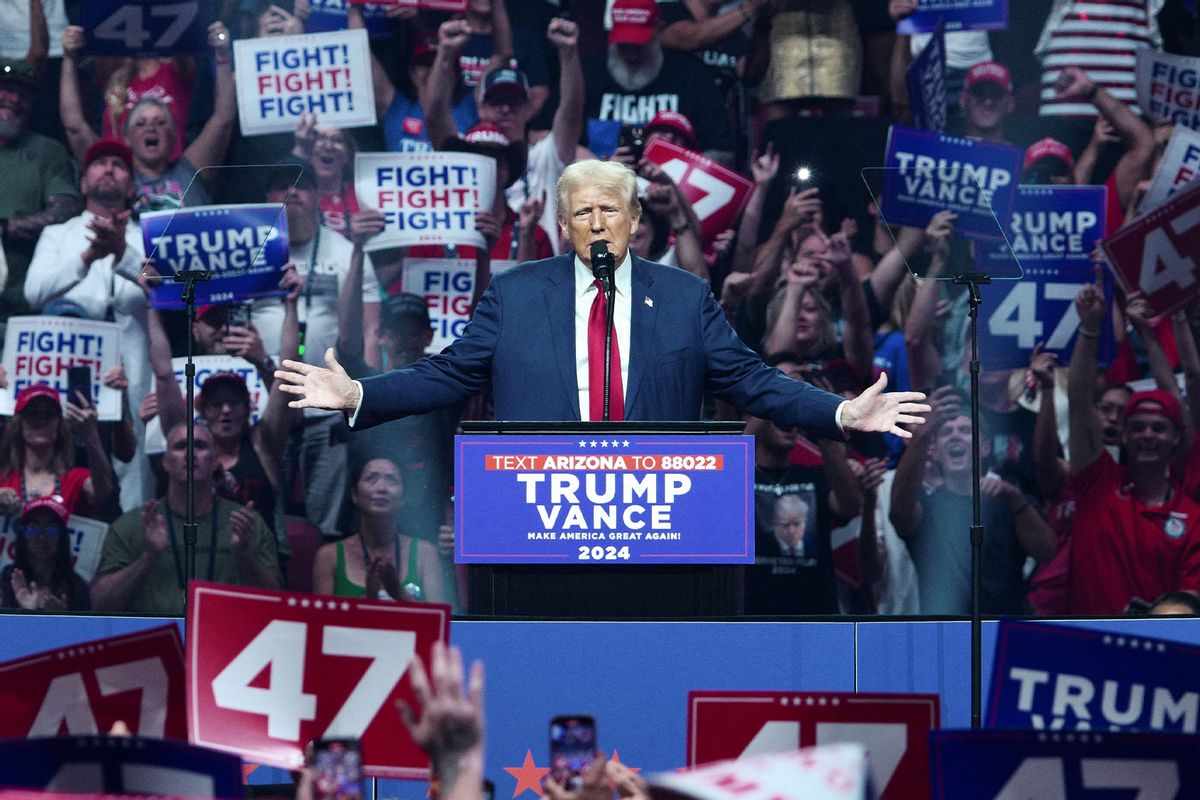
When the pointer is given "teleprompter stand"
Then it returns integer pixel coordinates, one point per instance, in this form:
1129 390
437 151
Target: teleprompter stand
604 591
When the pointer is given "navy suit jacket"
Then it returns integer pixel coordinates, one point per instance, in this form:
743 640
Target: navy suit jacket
522 339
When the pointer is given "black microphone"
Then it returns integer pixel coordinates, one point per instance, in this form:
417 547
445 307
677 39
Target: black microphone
603 263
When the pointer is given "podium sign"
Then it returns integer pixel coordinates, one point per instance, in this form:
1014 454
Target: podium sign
609 498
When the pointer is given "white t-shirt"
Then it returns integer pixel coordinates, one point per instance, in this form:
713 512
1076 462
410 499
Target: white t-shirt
14 27
323 280
543 170
964 49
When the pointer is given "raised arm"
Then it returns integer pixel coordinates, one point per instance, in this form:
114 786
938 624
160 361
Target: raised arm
443 76
70 105
209 146
172 409
351 343
906 510
385 90
763 169
1050 469
800 209
870 555
278 417
924 362
39 36
893 268
845 494
802 276
568 117
692 35
857 336
1086 438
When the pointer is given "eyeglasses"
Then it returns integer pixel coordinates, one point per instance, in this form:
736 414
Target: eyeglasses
34 531
333 140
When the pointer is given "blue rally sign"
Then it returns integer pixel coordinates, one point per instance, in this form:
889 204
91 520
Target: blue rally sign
931 172
245 247
146 27
612 498
926 80
1052 233
957 15
1058 766
331 15
1060 678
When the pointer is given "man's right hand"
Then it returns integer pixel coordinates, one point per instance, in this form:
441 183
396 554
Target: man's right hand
453 35
154 529
329 388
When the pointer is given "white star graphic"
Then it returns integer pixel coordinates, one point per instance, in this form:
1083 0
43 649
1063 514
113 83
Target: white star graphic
604 443
593 442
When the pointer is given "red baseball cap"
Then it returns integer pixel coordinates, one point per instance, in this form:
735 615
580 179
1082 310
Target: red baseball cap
1048 148
108 147
1166 403
676 123
33 392
633 21
988 71
50 502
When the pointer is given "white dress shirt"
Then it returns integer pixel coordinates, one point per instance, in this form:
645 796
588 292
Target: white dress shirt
585 295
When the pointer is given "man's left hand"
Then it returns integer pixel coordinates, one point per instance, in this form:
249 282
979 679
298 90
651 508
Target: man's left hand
878 412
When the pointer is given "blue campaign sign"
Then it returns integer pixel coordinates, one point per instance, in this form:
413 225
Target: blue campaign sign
1062 766
119 765
1059 678
330 15
1052 233
957 15
926 80
612 498
146 27
245 247
928 172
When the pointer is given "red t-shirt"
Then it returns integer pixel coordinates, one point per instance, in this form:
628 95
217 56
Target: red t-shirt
167 85
70 487
1122 549
336 208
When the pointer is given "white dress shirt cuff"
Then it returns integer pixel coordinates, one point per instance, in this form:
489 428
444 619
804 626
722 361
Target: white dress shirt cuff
358 405
837 416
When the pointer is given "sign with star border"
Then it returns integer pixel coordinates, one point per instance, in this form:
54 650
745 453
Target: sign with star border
615 498
724 725
270 671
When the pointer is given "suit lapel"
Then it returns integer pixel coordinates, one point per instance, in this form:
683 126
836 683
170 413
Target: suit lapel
559 294
641 330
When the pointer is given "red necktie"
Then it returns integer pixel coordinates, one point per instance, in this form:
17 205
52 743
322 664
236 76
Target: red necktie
597 320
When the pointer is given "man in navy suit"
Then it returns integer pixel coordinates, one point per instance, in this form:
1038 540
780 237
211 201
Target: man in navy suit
529 336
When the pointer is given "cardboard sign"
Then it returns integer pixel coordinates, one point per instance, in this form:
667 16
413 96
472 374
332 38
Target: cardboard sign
41 349
99 766
926 81
244 246
835 772
614 499
426 198
1180 166
281 78
1062 766
717 194
330 15
87 542
956 15
1156 253
1168 86
1052 677
86 688
894 728
146 27
447 284
929 172
1052 234
336 666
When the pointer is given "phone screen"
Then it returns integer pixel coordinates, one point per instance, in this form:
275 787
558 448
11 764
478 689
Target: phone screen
572 748
338 766
79 379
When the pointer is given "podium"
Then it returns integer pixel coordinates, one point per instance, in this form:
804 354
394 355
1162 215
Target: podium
662 590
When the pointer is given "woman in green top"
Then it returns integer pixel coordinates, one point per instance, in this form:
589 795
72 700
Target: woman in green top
379 561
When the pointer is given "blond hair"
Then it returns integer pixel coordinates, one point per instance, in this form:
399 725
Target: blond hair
611 175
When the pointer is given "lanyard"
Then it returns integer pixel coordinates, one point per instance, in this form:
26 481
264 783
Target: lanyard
212 545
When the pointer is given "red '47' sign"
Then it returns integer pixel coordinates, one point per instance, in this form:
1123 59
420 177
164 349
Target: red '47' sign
1156 253
717 194
270 671
85 688
893 727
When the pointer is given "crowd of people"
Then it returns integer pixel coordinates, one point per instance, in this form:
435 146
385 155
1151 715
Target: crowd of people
1090 489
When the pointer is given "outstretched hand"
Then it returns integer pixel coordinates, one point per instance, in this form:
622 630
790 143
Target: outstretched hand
875 411
449 726
328 387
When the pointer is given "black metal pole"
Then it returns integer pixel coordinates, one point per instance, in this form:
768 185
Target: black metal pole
973 281
610 292
189 279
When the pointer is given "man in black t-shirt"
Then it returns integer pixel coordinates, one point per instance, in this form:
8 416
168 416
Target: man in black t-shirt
638 78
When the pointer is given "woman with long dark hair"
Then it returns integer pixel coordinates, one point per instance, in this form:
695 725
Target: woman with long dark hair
37 453
41 576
